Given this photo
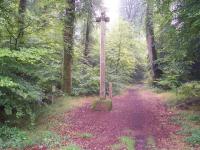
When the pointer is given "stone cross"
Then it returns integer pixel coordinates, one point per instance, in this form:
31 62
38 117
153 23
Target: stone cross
102 19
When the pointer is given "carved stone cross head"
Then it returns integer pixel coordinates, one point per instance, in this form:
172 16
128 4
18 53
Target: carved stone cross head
102 17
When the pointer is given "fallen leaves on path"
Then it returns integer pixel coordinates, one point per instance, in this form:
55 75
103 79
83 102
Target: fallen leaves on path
138 114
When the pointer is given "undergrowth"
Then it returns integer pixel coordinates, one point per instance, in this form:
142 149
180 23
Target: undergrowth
41 134
185 102
13 138
189 122
125 142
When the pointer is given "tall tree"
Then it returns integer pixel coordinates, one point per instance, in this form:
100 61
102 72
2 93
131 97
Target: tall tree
151 41
68 45
88 13
87 39
21 21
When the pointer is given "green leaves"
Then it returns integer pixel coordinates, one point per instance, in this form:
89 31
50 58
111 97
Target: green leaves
22 79
13 137
178 44
7 82
190 89
125 52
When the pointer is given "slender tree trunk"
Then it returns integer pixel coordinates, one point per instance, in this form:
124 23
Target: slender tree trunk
68 46
151 42
21 21
87 40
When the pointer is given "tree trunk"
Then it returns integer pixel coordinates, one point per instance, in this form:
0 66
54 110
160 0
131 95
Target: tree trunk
87 40
21 21
151 42
68 46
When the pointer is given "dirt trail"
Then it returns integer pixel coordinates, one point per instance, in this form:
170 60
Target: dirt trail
138 114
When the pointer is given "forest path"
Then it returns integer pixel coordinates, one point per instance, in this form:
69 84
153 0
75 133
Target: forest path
138 114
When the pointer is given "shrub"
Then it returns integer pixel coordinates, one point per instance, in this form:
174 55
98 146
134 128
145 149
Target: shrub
49 139
13 138
85 80
190 89
194 138
22 85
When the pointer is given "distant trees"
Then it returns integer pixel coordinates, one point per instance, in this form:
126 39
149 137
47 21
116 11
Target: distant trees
125 54
133 11
140 14
88 14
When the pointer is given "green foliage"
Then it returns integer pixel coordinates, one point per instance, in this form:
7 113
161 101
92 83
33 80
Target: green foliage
13 138
190 126
49 139
124 142
85 80
192 135
125 55
177 37
194 138
72 147
86 135
125 60
169 82
128 142
22 80
186 96
194 117
16 138
190 89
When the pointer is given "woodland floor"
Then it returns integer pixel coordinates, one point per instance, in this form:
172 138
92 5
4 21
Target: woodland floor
138 114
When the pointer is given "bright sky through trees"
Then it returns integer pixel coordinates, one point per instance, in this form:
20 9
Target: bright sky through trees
112 7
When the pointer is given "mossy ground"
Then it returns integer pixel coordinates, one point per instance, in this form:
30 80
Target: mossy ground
125 142
102 105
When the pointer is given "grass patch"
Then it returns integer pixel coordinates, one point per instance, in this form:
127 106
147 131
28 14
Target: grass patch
45 119
19 139
13 138
102 105
48 138
194 138
118 146
40 133
189 121
177 120
187 117
85 135
128 142
194 117
71 147
124 142
151 144
61 105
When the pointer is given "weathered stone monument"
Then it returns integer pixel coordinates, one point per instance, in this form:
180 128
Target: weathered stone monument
102 19
103 104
